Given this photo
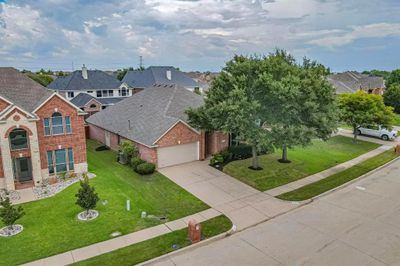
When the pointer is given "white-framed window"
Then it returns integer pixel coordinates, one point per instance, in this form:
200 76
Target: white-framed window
98 94
71 94
68 125
110 93
122 92
61 160
57 127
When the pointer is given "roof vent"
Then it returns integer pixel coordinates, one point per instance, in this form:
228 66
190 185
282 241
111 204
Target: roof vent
84 72
169 74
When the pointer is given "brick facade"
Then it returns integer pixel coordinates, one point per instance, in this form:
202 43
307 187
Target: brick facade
3 105
179 134
216 142
92 107
75 140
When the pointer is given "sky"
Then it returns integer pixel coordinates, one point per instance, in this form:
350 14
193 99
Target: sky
197 34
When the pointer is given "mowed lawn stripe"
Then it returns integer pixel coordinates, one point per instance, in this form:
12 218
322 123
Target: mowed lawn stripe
340 178
306 161
51 226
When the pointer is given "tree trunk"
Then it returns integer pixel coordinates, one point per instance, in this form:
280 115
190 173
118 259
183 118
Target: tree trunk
254 161
284 152
355 134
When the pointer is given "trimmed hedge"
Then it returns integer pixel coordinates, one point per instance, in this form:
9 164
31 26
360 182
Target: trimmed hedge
241 151
145 168
135 162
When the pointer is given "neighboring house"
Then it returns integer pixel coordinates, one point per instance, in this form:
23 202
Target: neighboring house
95 83
41 133
155 121
143 79
91 104
352 81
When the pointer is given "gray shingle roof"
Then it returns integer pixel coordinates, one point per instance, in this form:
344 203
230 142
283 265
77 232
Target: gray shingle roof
21 90
147 115
82 99
97 80
157 75
352 81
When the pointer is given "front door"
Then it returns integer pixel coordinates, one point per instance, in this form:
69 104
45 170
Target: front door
22 169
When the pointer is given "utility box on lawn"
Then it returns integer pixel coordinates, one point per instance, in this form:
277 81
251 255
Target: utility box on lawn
194 230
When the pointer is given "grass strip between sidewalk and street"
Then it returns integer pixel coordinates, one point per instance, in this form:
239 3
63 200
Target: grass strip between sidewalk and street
333 181
158 246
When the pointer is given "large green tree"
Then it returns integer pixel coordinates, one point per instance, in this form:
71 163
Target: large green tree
269 100
391 97
234 104
304 102
362 109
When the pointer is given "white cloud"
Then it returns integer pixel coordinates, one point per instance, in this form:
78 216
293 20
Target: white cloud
379 30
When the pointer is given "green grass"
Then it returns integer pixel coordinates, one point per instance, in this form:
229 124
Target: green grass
338 179
51 226
305 161
345 126
158 246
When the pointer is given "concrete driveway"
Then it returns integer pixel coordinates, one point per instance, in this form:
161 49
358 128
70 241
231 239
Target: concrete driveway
358 225
244 205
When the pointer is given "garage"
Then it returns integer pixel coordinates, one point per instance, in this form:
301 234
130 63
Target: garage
177 154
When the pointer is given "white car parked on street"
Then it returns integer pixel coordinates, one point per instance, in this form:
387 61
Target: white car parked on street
377 131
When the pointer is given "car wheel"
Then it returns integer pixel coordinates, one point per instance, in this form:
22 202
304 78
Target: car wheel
358 132
385 137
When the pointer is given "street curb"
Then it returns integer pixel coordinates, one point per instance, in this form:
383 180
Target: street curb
354 180
190 247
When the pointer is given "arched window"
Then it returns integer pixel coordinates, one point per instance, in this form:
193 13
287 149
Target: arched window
123 92
18 139
93 106
57 124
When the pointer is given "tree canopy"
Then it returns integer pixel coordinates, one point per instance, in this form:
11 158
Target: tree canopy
362 109
394 78
391 97
269 100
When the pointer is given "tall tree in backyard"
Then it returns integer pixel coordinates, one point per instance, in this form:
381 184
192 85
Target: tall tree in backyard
391 97
232 104
362 109
303 102
393 78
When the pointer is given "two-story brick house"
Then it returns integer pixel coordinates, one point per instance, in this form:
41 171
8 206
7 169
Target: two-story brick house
41 133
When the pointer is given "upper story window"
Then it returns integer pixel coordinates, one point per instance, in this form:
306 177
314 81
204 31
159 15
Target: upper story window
98 93
18 139
123 92
110 93
57 125
89 92
71 94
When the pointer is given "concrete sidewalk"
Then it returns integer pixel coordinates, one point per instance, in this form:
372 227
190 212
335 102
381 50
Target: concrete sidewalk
242 204
357 225
123 241
328 172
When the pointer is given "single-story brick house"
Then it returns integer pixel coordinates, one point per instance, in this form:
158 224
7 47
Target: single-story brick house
155 120
41 133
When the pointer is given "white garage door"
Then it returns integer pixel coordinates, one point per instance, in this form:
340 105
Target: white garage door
177 154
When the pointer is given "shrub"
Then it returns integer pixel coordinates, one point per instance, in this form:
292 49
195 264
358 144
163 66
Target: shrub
135 162
241 151
217 158
8 213
87 198
145 168
227 155
128 149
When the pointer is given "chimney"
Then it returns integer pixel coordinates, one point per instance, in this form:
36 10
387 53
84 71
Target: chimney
169 74
84 72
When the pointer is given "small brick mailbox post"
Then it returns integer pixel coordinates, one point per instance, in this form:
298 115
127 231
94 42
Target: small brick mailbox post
194 230
397 149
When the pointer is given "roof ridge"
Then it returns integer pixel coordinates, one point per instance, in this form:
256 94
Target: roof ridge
170 101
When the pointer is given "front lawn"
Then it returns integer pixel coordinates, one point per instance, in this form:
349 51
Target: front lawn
305 161
51 226
340 178
157 246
